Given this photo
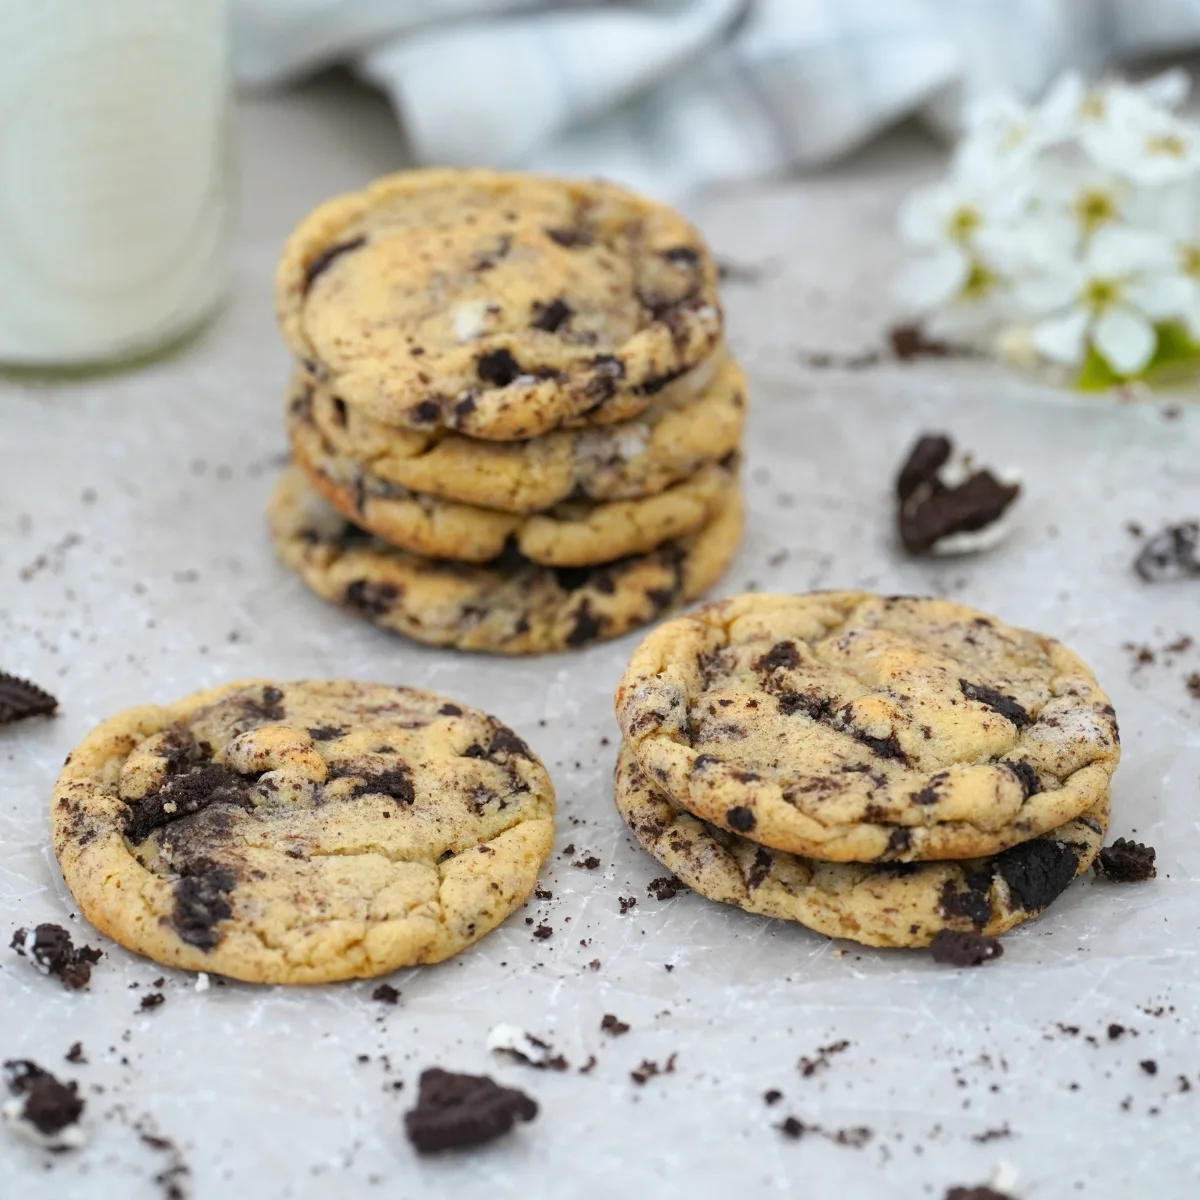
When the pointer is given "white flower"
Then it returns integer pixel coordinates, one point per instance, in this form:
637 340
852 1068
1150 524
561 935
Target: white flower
1075 198
1175 211
1144 142
1000 137
1126 281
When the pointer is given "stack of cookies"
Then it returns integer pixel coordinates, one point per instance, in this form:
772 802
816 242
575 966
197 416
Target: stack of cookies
514 424
883 769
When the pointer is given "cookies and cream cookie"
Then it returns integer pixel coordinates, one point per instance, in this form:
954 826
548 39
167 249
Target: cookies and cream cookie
301 832
854 727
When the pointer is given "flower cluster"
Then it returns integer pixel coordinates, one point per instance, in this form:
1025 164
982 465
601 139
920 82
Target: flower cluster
1069 230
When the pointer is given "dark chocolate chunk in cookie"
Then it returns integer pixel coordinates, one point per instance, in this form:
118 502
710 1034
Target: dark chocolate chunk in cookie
201 904
320 263
455 1111
497 367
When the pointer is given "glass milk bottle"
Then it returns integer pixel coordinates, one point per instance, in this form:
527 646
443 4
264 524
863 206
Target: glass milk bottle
114 176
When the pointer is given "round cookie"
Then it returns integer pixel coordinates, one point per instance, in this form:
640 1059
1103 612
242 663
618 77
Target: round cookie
501 305
509 607
693 422
900 904
301 832
572 534
860 728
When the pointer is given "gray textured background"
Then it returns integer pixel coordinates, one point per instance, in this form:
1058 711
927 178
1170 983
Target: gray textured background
164 582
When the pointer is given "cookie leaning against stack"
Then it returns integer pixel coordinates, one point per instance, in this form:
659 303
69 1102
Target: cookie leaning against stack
876 768
513 421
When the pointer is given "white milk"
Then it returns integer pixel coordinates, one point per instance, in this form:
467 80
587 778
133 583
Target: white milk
114 175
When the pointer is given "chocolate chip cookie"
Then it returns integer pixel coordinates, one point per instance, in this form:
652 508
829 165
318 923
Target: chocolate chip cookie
301 832
497 304
511 606
693 422
878 904
572 534
861 728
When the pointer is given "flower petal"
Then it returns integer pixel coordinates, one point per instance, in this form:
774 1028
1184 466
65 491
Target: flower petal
922 214
1160 296
932 280
1116 251
1125 339
1062 338
1050 291
1169 88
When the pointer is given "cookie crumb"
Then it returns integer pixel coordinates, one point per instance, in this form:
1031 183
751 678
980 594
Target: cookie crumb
542 932
626 903
588 864
649 1069
75 1054
202 982
151 1001
52 952
963 949
980 1192
386 994
44 1110
1149 1066
855 1136
1125 862
772 1096
666 887
1115 1031
820 1060
456 1111
610 1024
20 699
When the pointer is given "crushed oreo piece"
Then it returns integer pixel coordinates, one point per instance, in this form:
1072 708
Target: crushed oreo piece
550 318
201 904
963 949
1037 872
945 505
151 1001
52 952
998 702
609 1023
856 1136
1172 553
75 1054
386 994
455 1111
497 367
648 1069
666 887
820 1060
44 1110
1126 862
980 1192
20 699
525 1047
183 793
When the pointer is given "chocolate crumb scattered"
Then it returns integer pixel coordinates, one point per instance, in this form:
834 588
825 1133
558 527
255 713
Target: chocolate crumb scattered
542 932
53 953
151 1001
588 864
594 965
1149 1066
910 342
386 994
649 1069
820 1060
772 1096
980 1192
1115 1031
1125 862
610 1024
958 948
666 887
75 1054
855 1136
20 699
455 1111
993 1135
588 1066
626 903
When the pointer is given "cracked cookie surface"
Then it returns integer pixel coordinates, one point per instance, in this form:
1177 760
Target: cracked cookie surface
498 304
571 534
694 422
877 904
853 727
512 606
301 832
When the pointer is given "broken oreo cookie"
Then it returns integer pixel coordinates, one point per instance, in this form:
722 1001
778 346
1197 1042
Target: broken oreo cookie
43 1110
455 1111
1126 862
1172 553
963 949
52 952
20 699
945 505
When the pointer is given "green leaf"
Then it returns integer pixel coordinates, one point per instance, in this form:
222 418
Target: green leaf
1176 358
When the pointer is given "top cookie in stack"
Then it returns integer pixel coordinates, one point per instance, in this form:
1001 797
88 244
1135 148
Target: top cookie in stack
517 372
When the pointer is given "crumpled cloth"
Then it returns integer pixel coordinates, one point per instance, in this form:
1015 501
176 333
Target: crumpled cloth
669 95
